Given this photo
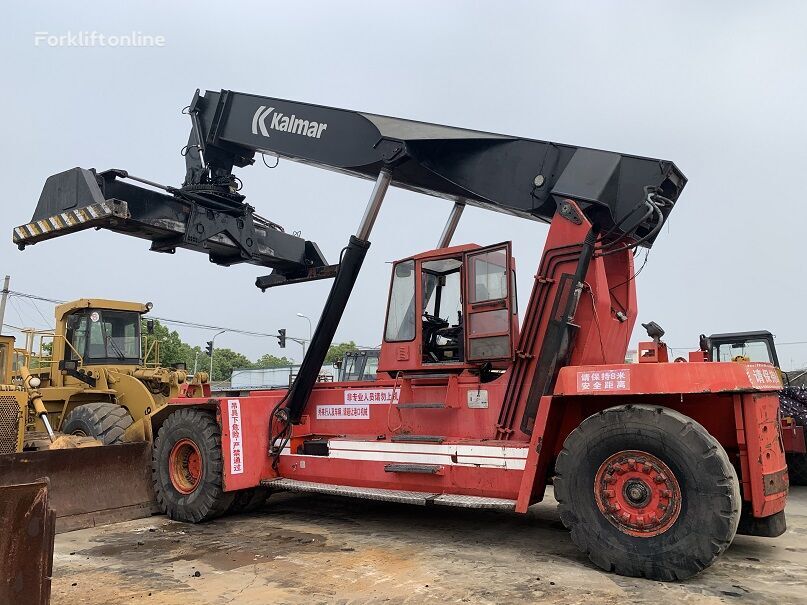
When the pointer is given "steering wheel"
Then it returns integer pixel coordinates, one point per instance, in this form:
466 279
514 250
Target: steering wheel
434 322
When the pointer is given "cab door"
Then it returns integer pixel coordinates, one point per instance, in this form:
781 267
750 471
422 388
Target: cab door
488 304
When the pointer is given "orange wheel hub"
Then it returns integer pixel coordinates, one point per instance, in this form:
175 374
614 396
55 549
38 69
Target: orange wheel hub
185 466
637 493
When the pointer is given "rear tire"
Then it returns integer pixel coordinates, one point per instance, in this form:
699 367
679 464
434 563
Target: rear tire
187 467
647 492
104 421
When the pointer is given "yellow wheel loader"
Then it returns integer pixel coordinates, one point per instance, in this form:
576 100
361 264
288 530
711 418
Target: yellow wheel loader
92 380
93 371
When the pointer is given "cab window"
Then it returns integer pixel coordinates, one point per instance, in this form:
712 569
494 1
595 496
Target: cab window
76 336
371 368
753 350
352 368
489 271
401 309
442 320
104 336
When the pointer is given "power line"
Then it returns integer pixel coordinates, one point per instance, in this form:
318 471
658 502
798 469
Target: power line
178 322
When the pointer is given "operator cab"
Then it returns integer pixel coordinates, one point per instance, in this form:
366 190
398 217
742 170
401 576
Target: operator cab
103 336
358 365
742 346
451 309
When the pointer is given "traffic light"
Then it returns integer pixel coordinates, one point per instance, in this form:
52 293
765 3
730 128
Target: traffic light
209 348
281 338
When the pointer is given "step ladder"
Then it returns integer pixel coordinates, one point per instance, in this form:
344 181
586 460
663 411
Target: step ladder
390 495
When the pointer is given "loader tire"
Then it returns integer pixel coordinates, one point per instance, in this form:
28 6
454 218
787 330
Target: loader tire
647 492
104 421
187 467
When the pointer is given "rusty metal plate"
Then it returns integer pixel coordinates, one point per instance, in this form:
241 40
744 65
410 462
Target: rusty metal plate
26 543
89 486
775 483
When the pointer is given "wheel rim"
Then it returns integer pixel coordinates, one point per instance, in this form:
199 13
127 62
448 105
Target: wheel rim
185 466
637 493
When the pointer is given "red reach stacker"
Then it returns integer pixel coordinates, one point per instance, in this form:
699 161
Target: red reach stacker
655 465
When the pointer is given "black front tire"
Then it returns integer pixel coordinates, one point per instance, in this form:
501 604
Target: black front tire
708 502
201 497
104 421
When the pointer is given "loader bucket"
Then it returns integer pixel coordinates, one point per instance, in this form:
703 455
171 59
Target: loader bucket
89 486
26 543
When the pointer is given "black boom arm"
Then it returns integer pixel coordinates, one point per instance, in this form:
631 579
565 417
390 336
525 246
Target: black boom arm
518 176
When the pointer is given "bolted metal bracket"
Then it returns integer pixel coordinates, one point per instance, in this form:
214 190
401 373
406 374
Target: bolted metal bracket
204 223
569 212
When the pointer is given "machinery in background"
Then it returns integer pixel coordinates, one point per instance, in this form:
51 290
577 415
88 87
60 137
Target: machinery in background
91 381
87 485
656 464
759 346
361 364
95 373
13 402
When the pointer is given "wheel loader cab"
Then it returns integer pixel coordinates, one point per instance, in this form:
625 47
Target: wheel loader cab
451 309
103 336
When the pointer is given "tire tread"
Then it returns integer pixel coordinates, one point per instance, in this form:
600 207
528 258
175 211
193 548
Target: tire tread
712 459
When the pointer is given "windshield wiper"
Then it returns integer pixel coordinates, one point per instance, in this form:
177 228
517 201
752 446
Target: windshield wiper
117 349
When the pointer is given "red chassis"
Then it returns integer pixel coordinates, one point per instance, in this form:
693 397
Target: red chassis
740 413
483 413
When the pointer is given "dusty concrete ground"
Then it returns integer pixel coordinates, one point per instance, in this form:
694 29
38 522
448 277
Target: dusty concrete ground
312 549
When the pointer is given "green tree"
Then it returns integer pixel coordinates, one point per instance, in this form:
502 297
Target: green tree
227 360
271 361
46 352
172 348
337 351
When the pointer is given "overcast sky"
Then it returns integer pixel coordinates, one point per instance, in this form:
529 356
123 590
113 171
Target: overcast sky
717 87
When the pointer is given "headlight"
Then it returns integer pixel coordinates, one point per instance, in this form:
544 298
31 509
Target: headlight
34 382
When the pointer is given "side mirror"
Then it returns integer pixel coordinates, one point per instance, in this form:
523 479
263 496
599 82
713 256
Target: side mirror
403 269
150 326
703 342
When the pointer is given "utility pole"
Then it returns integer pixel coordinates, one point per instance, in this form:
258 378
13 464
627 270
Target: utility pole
212 343
308 319
3 301
195 362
